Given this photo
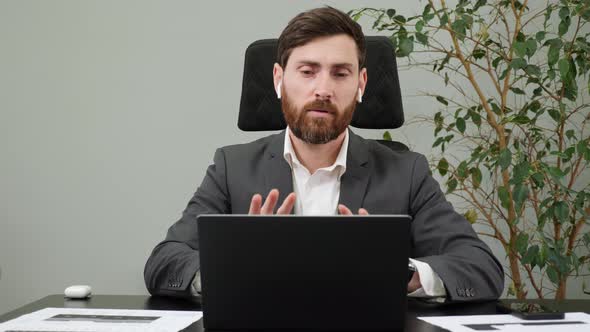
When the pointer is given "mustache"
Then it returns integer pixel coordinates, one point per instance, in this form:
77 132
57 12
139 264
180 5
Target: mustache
321 104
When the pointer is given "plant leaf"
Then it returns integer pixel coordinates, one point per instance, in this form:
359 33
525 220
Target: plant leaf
387 136
564 26
461 125
422 38
471 216
533 70
556 173
459 26
531 47
476 177
462 170
520 49
419 26
451 185
555 115
564 13
520 172
521 119
504 159
518 63
554 49
520 193
442 100
521 243
504 197
391 13
444 19
561 211
406 46
552 274
443 166
564 67
517 91
531 255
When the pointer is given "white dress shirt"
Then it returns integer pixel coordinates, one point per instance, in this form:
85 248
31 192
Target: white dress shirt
318 194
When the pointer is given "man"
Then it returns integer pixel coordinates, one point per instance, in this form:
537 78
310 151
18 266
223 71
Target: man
317 166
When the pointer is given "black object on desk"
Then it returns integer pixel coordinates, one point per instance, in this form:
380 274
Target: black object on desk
343 273
530 311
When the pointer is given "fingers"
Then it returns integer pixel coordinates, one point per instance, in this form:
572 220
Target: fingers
287 205
270 202
343 210
414 283
255 204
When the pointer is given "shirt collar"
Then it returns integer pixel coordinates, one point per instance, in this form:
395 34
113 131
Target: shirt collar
291 157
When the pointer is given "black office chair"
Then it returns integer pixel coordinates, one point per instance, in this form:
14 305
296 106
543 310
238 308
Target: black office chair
260 109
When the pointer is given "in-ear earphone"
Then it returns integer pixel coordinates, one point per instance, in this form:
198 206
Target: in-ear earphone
360 96
279 89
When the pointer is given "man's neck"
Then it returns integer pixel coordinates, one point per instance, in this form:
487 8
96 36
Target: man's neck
316 156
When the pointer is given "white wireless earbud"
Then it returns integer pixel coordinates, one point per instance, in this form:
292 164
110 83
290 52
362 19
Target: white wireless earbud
279 89
360 96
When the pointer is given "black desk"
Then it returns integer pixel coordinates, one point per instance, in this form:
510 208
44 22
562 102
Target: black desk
415 308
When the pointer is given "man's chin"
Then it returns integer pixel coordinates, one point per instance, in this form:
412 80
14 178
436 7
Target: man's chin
316 137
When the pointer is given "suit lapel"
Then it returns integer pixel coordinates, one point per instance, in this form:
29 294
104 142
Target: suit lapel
278 172
353 184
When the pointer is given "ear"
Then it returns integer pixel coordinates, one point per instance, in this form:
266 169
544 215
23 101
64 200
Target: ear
362 83
277 75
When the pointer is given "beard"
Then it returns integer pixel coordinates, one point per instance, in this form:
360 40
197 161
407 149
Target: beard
316 130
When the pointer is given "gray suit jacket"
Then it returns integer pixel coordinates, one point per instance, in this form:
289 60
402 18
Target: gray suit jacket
376 178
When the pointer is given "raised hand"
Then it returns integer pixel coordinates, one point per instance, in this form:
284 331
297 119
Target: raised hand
343 210
256 206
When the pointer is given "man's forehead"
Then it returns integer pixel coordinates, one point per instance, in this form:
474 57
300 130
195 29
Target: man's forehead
339 50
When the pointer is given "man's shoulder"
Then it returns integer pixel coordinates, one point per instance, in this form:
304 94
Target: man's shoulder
387 152
256 147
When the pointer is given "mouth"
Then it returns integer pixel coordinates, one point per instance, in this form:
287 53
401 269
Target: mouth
319 111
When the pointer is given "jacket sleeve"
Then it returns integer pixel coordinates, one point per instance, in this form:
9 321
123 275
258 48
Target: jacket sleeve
174 262
446 241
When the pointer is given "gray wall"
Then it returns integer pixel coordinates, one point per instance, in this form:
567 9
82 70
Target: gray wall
110 112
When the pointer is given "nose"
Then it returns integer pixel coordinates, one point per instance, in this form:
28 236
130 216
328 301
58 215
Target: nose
324 89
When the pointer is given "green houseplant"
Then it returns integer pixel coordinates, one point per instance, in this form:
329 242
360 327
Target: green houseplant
517 99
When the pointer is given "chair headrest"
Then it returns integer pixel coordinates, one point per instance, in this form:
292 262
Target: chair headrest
260 109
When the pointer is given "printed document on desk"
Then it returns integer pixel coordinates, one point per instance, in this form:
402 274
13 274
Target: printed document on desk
573 322
101 320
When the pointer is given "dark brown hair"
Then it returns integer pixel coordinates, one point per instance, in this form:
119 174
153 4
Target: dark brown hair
315 23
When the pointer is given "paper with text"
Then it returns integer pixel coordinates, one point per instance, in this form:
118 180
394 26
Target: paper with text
101 320
573 322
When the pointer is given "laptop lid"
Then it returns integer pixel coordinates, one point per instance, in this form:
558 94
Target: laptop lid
304 272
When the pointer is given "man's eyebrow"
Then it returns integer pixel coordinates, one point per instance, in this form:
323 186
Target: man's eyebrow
345 65
308 63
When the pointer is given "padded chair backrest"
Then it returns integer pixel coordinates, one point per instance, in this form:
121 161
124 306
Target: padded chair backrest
260 109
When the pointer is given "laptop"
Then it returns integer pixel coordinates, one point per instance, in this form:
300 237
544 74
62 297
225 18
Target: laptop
304 272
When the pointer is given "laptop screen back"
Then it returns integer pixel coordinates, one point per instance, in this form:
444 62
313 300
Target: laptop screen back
304 272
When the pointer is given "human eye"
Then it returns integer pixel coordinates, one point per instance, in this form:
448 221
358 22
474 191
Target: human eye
341 73
306 71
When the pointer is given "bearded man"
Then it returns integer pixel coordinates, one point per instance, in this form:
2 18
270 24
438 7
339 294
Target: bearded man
317 166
